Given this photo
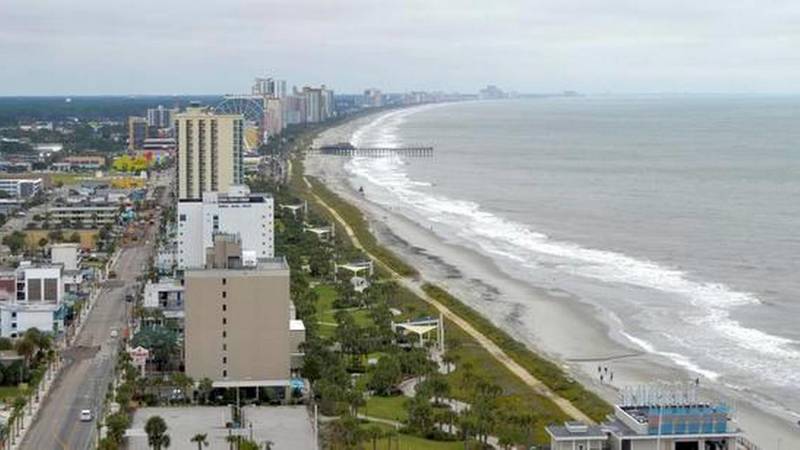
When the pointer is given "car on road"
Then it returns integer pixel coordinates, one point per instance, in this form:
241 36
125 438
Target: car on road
114 333
86 415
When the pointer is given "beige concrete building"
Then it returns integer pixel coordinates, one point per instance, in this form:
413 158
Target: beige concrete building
209 151
237 329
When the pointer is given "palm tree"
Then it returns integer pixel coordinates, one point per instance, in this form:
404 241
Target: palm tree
201 439
156 430
26 348
374 433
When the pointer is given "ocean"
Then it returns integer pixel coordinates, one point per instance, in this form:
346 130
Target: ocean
677 218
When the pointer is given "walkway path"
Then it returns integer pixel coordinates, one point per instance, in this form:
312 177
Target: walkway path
502 357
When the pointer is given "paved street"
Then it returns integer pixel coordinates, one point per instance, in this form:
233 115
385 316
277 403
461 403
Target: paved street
88 366
89 363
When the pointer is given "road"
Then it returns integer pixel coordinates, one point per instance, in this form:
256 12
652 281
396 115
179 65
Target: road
89 363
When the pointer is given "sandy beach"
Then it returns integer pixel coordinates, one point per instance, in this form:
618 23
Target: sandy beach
551 322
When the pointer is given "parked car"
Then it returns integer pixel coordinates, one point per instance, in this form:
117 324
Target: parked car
86 415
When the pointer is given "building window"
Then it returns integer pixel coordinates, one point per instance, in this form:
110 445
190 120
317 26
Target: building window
183 218
225 374
224 281
224 321
224 334
224 307
225 361
224 347
224 294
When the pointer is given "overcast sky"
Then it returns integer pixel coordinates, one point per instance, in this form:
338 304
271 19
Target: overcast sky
218 46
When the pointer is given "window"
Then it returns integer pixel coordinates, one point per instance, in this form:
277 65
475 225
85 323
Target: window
224 294
225 361
224 347
224 334
224 321
182 218
224 307
224 281
225 374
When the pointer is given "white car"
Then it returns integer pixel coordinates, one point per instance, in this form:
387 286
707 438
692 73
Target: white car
86 415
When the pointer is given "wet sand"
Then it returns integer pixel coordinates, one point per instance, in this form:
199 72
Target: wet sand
550 322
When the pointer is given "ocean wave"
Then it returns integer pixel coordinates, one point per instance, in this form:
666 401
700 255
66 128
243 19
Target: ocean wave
701 310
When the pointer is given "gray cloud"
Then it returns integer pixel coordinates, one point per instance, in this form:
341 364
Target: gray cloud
198 46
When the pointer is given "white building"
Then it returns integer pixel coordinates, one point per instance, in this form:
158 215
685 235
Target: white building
67 254
40 290
21 187
250 216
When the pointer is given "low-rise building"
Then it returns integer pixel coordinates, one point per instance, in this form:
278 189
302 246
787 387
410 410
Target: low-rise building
39 291
84 162
92 214
659 419
21 187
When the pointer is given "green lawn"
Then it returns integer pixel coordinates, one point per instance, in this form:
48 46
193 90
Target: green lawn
8 393
390 408
408 442
326 313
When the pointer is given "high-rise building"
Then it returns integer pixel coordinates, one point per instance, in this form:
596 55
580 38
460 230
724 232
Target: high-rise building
160 117
209 151
239 331
137 132
373 98
248 216
273 119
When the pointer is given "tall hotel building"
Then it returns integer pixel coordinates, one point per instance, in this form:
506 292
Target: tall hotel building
209 151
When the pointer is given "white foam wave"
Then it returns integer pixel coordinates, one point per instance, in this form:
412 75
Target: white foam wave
702 307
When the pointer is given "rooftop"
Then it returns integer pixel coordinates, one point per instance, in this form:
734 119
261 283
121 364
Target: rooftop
576 430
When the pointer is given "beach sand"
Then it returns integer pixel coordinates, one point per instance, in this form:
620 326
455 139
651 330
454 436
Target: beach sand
550 322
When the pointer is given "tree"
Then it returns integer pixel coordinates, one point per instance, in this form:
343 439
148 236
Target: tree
15 241
42 242
75 237
162 342
117 424
374 433
386 375
201 439
345 433
420 414
205 387
156 430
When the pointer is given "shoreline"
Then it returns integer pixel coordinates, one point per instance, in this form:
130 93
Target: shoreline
551 324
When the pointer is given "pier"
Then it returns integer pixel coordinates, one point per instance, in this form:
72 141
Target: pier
372 152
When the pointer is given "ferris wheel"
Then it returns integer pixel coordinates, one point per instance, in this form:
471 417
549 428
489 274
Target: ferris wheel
252 109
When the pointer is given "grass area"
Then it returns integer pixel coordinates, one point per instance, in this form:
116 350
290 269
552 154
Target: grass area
546 371
88 237
403 441
326 313
8 393
391 408
355 219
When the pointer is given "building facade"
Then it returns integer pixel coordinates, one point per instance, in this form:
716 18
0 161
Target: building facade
39 294
21 187
137 132
209 151
249 216
237 326
160 117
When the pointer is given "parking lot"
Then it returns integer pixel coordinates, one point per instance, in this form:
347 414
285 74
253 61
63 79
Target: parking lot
288 427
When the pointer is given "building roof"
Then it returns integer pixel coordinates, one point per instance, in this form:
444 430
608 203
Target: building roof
297 325
576 430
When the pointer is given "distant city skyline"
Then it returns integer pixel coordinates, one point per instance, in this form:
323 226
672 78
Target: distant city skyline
94 47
